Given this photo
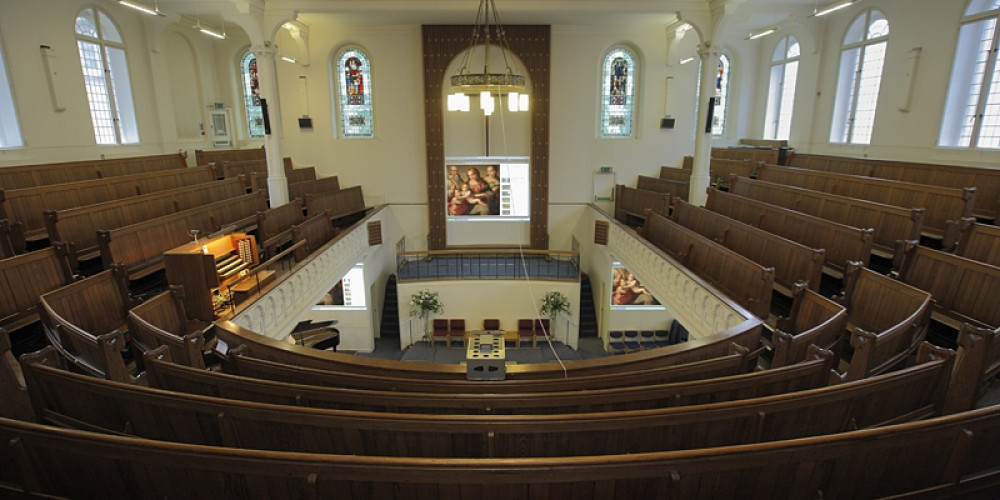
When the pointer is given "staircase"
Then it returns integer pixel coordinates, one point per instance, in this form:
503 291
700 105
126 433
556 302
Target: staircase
588 318
390 311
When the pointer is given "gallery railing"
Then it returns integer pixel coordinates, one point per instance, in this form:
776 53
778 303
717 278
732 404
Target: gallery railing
488 265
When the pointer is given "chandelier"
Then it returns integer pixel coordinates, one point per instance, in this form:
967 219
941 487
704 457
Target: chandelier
508 83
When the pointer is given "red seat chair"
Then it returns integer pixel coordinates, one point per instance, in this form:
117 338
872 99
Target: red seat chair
525 330
456 331
439 331
542 329
491 324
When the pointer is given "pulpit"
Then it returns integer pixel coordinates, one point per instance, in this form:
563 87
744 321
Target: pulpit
485 358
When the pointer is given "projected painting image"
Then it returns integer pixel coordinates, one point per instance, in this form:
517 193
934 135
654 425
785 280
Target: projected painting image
473 190
627 291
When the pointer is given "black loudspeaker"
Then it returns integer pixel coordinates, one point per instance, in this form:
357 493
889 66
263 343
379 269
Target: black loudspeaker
306 123
267 119
711 114
667 123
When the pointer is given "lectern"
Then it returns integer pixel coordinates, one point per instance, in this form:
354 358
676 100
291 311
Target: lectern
485 358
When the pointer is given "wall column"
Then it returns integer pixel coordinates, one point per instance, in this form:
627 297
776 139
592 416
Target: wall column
700 178
277 182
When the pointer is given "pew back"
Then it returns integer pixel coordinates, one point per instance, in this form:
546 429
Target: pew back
814 320
161 321
274 225
631 204
318 186
24 277
27 176
316 231
979 242
340 203
677 189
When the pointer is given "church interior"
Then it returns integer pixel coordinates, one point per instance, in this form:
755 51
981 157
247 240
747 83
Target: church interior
545 249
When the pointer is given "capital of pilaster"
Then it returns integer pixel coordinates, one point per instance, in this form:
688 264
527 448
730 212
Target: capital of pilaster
709 51
264 51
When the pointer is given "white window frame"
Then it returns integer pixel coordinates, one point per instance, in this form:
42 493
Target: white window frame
10 130
853 121
972 106
112 106
781 89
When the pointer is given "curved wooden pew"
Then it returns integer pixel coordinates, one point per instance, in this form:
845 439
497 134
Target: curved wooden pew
952 456
842 243
161 321
940 204
978 242
887 320
80 401
813 321
792 262
162 373
891 223
746 336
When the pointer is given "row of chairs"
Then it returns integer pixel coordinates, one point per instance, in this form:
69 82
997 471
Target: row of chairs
446 330
624 341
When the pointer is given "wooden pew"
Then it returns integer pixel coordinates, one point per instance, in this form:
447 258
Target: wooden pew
940 204
631 204
85 322
753 155
814 372
911 459
274 225
985 180
678 174
890 223
976 367
162 322
978 242
245 168
28 205
677 189
337 204
13 393
81 401
886 320
743 339
80 225
26 176
792 262
813 321
964 290
139 247
317 186
258 179
221 156
841 242
9 234
721 169
316 231
745 281
24 277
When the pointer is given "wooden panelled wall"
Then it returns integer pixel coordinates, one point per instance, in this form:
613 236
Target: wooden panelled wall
442 43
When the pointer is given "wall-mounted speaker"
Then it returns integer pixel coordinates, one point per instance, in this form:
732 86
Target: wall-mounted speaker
267 119
306 123
667 123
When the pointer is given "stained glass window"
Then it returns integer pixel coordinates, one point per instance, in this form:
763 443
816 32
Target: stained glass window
10 133
106 78
618 91
251 95
862 57
354 84
972 106
781 89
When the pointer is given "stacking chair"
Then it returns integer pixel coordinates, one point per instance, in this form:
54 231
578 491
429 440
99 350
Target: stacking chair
617 343
525 330
632 340
647 339
439 331
662 337
456 330
491 324
542 329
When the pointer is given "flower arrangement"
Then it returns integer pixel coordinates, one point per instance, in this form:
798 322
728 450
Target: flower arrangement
425 302
554 303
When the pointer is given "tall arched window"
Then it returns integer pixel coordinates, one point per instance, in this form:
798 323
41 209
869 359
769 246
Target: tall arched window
861 59
105 75
719 111
972 107
10 133
251 95
781 89
352 68
619 73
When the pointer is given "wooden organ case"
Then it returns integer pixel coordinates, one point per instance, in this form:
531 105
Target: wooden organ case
205 268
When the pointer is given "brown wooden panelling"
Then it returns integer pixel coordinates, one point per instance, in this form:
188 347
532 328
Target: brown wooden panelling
441 43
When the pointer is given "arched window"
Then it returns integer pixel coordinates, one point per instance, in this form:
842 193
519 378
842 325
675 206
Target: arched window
353 75
719 111
620 71
251 95
861 59
972 107
105 74
10 133
781 89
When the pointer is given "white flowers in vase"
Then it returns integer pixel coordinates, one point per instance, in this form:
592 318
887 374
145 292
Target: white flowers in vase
554 303
422 304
